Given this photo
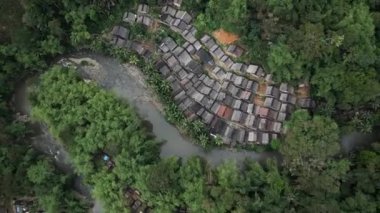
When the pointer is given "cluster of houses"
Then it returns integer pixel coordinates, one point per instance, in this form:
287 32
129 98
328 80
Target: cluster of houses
238 102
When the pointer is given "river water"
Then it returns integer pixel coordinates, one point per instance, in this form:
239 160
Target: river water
127 83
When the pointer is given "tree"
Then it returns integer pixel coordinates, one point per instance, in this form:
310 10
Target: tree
309 149
40 173
283 63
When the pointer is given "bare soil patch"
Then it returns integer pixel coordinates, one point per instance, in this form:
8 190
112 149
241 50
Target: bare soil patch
225 37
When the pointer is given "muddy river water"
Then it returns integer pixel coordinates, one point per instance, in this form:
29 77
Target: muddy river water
126 82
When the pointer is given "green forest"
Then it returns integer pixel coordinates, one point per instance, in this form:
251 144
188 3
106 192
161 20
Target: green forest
333 44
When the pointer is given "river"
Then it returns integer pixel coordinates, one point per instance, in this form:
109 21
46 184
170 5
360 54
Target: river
127 83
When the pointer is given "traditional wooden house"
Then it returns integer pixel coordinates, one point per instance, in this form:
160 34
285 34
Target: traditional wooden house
169 10
234 50
205 57
167 19
129 17
184 16
142 9
272 91
252 69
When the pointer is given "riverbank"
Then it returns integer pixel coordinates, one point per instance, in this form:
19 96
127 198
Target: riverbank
127 83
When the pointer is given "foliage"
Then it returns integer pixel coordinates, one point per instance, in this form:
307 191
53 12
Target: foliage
90 121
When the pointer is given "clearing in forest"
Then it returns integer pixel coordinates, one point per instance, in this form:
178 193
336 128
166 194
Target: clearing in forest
225 37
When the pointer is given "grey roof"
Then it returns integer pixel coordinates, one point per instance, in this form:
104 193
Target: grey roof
215 107
276 127
121 32
237 104
217 125
227 61
169 10
262 124
188 36
197 45
196 108
250 120
284 87
260 72
252 136
176 87
240 135
207 102
217 86
190 48
205 38
252 69
164 70
195 67
292 99
129 17
182 74
205 57
235 50
143 9
255 87
272 91
180 96
205 89
197 96
268 77
147 21
229 131
306 103
228 100
179 24
233 89
184 16
207 117
272 103
250 108
164 48
172 61
138 47
245 95
167 19
170 43
176 68
118 42
238 80
178 50
236 115
236 66
208 41
264 138
221 96
284 97
201 110
213 94
281 116
177 3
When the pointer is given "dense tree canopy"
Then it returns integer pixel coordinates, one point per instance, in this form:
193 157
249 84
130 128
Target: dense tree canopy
331 44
